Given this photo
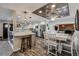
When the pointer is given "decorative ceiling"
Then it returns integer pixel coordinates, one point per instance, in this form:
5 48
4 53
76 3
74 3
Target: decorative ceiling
20 7
37 12
53 10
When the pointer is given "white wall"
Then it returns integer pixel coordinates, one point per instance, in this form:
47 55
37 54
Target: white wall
72 8
65 20
1 29
69 19
5 14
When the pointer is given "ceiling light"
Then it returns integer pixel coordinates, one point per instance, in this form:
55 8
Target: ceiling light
52 19
53 5
40 11
25 19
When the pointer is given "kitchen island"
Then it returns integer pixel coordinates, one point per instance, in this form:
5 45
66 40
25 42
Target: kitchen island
20 36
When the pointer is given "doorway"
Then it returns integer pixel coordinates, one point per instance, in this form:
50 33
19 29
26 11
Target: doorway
5 31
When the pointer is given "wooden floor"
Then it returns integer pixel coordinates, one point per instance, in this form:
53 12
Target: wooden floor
38 50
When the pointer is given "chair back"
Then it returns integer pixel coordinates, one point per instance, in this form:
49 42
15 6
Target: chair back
75 43
52 37
46 36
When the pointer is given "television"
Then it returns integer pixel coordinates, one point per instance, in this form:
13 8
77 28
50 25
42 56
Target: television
77 20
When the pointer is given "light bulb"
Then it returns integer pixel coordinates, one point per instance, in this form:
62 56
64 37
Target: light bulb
53 6
40 11
25 19
52 19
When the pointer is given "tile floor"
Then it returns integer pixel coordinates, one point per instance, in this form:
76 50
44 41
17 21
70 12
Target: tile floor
5 49
38 50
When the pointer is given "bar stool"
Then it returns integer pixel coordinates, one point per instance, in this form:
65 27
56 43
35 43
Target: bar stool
23 45
26 43
29 42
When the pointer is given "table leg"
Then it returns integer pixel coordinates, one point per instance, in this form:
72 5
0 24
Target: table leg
23 45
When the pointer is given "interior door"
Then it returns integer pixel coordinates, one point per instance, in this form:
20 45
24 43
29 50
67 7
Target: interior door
10 33
5 30
42 30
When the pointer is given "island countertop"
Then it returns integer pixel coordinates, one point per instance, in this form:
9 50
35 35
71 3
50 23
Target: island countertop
18 38
23 33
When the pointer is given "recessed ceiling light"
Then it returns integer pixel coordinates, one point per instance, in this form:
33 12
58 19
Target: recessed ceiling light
25 19
40 11
53 5
52 19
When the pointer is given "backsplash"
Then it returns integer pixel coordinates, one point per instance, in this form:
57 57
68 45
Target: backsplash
23 27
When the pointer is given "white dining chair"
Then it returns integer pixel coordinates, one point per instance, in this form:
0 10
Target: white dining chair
46 42
75 43
52 44
68 44
46 39
61 37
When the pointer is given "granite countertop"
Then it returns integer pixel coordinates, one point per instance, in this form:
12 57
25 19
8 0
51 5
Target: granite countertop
23 33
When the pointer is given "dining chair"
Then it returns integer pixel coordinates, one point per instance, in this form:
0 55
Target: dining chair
75 44
60 37
46 42
52 44
46 39
67 46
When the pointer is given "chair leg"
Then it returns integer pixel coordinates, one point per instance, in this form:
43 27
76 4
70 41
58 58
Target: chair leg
56 51
48 50
71 51
76 51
